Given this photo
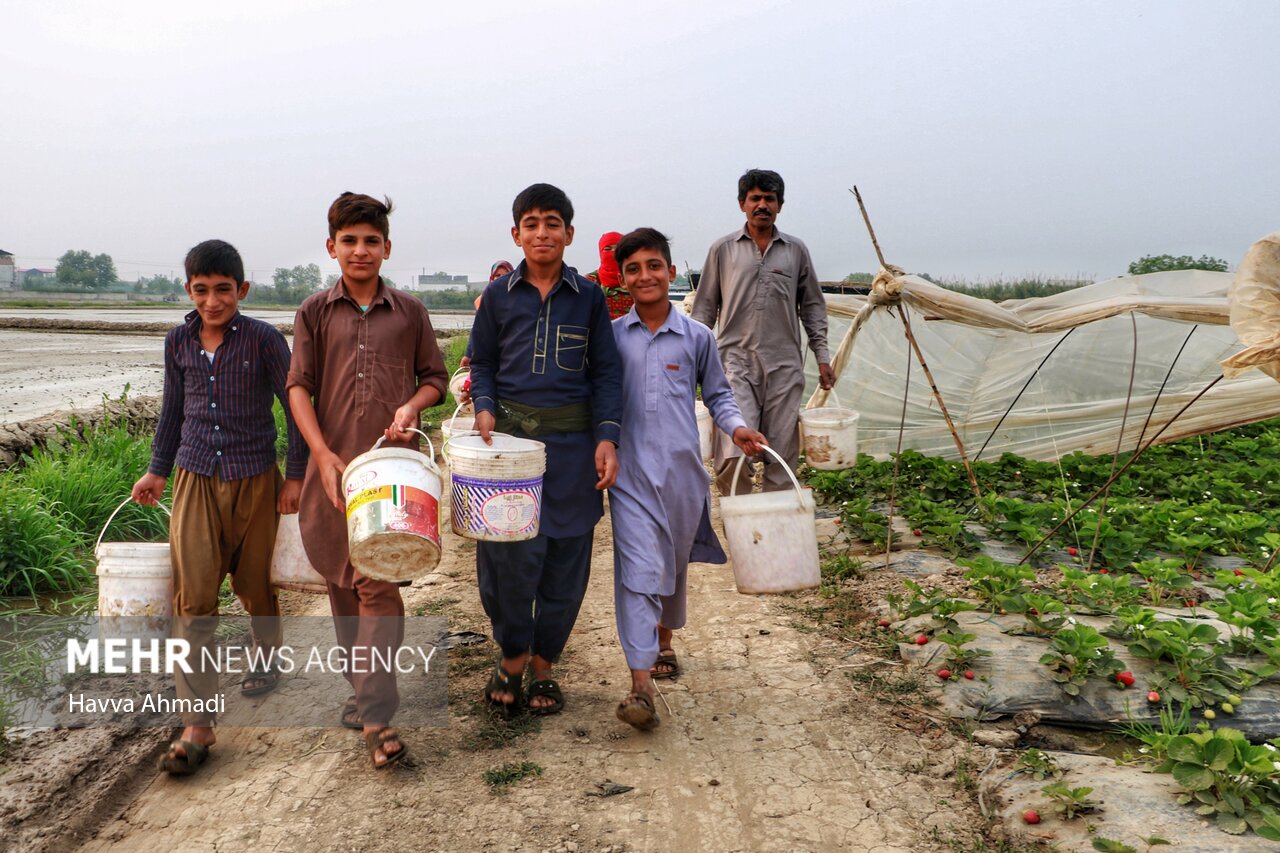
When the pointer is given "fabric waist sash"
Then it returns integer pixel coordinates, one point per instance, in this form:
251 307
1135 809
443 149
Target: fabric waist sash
531 420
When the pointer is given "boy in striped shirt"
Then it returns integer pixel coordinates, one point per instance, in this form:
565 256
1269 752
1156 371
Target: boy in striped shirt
222 370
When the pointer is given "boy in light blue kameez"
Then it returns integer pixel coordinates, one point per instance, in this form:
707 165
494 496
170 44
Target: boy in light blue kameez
660 504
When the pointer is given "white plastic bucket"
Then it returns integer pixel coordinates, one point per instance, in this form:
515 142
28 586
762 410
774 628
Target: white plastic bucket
290 566
393 512
773 539
461 377
830 436
705 429
497 489
459 424
135 586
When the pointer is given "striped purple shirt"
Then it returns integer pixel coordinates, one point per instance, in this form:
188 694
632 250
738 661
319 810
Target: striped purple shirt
216 418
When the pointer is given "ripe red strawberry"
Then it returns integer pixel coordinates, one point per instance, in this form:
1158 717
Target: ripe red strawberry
1153 696
1031 816
922 640
944 674
1239 573
1104 571
1125 678
1073 552
1188 602
916 532
968 673
883 623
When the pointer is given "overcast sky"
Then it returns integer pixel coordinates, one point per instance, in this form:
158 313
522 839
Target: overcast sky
988 138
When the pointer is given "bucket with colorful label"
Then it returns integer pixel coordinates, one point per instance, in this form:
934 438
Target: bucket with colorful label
497 488
393 512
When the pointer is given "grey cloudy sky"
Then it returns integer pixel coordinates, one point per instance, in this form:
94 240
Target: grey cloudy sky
988 138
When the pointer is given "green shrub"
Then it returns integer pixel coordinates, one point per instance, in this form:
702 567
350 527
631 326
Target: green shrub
38 551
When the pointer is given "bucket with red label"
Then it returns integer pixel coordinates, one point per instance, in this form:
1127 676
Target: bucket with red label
393 512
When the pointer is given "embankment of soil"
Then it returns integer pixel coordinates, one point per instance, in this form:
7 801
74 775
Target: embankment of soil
141 413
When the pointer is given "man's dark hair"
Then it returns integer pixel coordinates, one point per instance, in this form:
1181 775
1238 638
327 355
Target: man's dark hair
542 197
764 180
642 238
355 209
215 257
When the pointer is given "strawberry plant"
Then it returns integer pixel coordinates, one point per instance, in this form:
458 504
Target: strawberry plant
1188 663
1044 615
1224 775
957 655
1076 653
1165 578
1000 585
860 521
1248 614
933 601
1038 764
1131 622
1070 802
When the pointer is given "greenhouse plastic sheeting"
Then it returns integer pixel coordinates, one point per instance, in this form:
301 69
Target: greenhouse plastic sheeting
1255 309
983 353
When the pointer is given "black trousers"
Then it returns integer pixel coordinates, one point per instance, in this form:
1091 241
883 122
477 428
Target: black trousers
532 591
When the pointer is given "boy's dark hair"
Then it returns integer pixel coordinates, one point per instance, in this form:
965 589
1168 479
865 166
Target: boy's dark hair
764 180
215 257
642 238
357 209
542 197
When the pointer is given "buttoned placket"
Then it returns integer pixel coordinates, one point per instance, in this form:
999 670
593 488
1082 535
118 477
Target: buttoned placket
653 368
362 359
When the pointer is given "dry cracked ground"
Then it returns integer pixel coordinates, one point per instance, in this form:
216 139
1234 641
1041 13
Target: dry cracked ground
787 731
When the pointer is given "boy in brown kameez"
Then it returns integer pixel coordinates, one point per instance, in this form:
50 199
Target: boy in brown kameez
365 364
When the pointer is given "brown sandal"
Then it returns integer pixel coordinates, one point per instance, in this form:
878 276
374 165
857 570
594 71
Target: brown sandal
668 658
638 713
374 741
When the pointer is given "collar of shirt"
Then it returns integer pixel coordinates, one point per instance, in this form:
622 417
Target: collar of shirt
777 235
194 324
339 291
567 276
673 323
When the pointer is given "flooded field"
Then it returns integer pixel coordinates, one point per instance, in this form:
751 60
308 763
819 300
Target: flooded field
45 370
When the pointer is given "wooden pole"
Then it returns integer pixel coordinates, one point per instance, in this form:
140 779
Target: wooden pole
906 325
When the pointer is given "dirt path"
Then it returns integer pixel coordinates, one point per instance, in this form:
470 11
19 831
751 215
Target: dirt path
766 746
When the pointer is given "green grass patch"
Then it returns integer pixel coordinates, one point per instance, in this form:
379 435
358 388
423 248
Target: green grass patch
508 774
493 732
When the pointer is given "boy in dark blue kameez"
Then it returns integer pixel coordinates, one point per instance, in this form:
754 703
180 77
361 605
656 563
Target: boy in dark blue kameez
544 365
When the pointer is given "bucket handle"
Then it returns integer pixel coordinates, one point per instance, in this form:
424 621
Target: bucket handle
444 451
430 446
112 517
831 393
733 488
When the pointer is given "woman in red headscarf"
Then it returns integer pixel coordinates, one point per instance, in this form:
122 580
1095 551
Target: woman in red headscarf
610 278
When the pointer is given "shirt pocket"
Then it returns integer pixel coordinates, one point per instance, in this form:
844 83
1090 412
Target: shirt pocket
779 285
679 381
571 347
387 383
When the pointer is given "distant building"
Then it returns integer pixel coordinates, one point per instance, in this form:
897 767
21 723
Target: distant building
33 275
8 274
436 282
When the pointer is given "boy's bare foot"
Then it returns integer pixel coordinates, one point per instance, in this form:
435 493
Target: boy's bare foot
637 708
189 751
383 743
541 670
510 667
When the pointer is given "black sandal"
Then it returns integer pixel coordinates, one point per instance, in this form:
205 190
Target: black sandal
268 675
350 716
668 658
639 712
502 681
549 688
